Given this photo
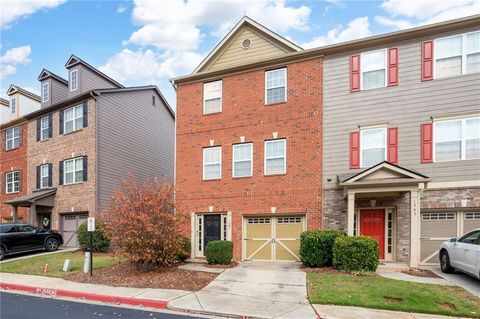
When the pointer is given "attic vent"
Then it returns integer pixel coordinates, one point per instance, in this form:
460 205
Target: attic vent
246 43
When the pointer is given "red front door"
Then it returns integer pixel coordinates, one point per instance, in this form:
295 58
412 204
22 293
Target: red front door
372 224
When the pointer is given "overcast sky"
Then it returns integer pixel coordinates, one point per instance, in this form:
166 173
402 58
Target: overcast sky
147 42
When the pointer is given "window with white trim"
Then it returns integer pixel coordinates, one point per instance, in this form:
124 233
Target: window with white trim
458 54
373 142
438 216
472 215
44 176
12 182
73 119
45 92
242 160
212 163
373 69
275 157
276 86
212 97
73 170
457 139
45 128
12 138
73 80
13 104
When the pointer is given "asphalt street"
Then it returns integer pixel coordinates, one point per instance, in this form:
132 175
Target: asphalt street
16 306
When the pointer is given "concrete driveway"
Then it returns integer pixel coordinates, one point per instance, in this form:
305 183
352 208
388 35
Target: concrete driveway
253 289
468 283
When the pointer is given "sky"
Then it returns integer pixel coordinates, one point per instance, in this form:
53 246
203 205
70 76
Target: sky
144 42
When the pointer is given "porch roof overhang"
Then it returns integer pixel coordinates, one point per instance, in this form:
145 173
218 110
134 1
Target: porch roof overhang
42 197
384 177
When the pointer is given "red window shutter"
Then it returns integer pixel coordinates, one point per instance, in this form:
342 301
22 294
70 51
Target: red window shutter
427 60
355 73
426 143
392 66
355 150
392 145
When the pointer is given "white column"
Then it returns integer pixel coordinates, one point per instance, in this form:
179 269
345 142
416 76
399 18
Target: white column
414 228
229 225
350 213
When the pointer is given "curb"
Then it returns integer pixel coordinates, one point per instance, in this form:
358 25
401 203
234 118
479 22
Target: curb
52 292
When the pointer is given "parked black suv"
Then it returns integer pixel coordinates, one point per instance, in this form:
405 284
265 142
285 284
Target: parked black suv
19 238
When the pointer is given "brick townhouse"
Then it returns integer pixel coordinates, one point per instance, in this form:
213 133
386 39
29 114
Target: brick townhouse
13 151
377 137
89 134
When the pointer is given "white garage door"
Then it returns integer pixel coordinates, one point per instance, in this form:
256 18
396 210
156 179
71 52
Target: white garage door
69 227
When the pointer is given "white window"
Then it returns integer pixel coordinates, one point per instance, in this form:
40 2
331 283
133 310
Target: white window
44 176
13 103
457 139
73 80
459 54
45 92
373 68
276 86
373 143
73 119
12 138
45 128
212 162
73 170
212 97
242 160
275 157
12 182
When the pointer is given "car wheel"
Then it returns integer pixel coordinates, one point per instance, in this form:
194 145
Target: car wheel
2 253
51 244
445 262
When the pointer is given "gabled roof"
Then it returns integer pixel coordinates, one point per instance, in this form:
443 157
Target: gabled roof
47 74
4 102
244 22
74 60
14 89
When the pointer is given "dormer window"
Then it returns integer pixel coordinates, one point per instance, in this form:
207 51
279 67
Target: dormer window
45 92
73 80
13 104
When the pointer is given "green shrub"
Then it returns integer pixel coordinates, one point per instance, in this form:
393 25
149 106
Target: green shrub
355 254
316 247
100 241
186 249
219 252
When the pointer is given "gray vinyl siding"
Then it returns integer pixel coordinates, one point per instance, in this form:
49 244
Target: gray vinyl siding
59 91
88 80
405 106
133 137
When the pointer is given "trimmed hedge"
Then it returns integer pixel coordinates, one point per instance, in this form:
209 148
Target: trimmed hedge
100 241
316 247
219 252
355 254
186 248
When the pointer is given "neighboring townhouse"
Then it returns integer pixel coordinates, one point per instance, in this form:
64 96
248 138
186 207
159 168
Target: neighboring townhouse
4 110
248 146
401 156
90 133
14 145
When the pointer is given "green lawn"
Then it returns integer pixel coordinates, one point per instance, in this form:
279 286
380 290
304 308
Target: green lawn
35 265
383 293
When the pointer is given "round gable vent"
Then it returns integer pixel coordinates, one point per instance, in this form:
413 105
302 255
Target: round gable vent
246 43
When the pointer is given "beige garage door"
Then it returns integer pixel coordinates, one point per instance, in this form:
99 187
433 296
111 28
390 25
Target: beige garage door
273 238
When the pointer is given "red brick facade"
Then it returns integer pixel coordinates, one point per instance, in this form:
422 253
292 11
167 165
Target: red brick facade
13 160
244 113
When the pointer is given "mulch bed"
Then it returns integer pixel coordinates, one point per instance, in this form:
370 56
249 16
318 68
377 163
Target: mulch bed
324 270
231 265
420 273
128 275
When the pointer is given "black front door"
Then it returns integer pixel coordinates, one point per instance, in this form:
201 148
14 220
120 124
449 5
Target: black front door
45 220
212 229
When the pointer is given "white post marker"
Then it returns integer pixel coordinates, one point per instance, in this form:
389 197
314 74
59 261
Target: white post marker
91 229
91 224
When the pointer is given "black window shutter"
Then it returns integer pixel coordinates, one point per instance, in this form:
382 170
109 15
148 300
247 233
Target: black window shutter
85 114
85 168
39 124
38 177
50 126
60 173
50 175
60 123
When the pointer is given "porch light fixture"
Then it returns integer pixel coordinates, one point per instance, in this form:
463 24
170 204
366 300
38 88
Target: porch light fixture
373 202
